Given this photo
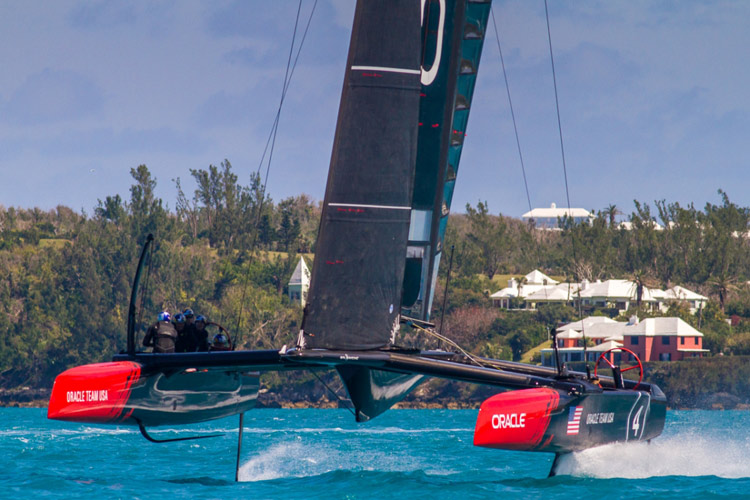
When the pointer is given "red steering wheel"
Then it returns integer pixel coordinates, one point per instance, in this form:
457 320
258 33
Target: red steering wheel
639 366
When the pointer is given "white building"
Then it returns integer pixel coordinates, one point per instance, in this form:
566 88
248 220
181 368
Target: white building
618 294
547 218
299 284
529 284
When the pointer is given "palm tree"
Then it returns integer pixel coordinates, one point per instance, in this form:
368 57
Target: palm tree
611 212
723 285
642 280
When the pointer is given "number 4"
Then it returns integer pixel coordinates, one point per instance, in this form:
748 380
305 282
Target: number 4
636 424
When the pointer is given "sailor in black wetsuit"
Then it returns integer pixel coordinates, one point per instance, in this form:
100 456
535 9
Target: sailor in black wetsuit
201 335
183 342
161 335
191 344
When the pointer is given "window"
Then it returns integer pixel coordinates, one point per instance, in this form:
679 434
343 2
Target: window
665 356
633 340
682 340
664 340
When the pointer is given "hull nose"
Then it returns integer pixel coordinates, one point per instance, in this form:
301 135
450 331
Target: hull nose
515 420
95 393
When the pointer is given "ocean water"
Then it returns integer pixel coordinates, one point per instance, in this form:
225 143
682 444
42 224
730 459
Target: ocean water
324 454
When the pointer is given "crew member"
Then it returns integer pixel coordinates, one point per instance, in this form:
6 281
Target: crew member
185 341
162 335
189 316
191 345
201 335
221 342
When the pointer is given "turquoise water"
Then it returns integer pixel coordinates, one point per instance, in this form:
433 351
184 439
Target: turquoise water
325 454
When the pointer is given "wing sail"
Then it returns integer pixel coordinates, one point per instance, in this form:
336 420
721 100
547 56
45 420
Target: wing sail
355 291
453 34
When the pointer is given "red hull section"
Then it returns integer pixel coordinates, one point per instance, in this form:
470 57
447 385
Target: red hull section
551 420
94 393
515 420
127 392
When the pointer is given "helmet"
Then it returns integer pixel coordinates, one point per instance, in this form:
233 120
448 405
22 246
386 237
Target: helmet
164 316
201 318
179 318
188 313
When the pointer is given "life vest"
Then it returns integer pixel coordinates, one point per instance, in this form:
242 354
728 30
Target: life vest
165 337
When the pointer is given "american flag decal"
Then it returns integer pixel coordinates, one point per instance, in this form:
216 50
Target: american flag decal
574 420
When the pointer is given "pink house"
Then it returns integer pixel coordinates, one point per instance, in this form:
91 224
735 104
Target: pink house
663 339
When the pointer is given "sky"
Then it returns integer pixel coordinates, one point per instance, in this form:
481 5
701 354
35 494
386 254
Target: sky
654 100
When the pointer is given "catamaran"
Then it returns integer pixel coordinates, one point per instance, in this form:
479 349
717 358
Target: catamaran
407 94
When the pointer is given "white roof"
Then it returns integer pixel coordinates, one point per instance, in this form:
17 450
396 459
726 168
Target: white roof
553 212
512 291
605 346
550 293
605 330
680 293
570 334
651 327
301 274
628 226
505 293
556 293
536 277
586 322
621 289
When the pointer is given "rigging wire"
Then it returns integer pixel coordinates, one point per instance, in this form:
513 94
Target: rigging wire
557 106
565 174
339 398
144 289
271 142
537 251
448 341
510 104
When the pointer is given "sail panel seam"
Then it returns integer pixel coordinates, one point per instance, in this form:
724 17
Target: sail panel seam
388 70
390 207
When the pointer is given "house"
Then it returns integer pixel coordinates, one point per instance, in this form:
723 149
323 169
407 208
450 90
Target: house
299 283
618 294
562 293
548 218
652 339
529 284
664 339
694 301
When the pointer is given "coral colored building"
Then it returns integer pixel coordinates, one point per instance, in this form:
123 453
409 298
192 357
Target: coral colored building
652 339
663 339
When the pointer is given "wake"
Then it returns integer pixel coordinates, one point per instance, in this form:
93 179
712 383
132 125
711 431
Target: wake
684 454
288 460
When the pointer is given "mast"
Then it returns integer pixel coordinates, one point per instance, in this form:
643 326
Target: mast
453 37
356 285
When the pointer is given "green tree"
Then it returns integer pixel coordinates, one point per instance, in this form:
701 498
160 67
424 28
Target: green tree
488 236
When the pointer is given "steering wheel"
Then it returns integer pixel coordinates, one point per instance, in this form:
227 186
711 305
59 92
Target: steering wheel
229 347
639 366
